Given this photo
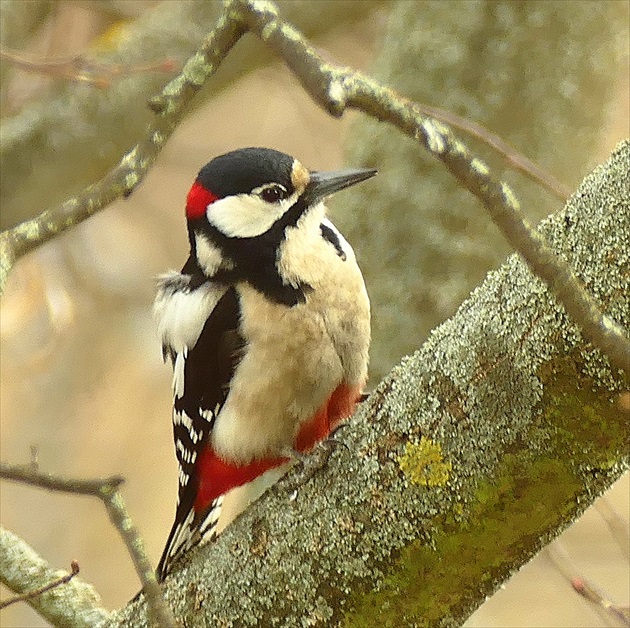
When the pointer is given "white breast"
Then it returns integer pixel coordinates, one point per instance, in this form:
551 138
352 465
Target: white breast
296 356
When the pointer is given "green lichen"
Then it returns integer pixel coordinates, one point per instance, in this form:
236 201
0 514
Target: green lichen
423 463
536 488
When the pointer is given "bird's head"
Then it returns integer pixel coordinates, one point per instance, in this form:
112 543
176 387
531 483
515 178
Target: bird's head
240 205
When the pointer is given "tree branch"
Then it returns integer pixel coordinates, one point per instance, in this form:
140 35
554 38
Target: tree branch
107 491
467 459
80 68
335 88
76 604
132 168
481 374
565 566
47 151
33 593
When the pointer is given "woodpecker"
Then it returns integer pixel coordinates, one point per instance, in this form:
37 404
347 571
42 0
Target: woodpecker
267 328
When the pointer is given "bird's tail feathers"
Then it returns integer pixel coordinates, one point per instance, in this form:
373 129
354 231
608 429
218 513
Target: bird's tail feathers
188 531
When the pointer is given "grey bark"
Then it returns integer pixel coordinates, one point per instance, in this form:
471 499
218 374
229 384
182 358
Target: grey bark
56 146
471 455
538 74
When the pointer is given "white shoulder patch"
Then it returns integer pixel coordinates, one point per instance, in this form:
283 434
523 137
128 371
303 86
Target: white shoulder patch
181 312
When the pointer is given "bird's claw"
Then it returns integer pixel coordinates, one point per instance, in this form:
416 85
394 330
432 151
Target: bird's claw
315 460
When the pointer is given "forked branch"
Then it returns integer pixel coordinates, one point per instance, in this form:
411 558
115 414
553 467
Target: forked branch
108 491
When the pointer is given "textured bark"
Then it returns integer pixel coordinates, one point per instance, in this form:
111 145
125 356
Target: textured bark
64 141
541 75
468 458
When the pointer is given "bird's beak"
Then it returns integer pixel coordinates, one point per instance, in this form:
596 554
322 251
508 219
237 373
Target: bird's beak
324 184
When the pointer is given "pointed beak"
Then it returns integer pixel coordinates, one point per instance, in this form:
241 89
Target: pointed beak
324 184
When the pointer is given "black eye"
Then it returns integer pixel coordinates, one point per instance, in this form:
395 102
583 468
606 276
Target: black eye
273 193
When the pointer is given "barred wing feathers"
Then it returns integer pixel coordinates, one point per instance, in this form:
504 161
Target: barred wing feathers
199 325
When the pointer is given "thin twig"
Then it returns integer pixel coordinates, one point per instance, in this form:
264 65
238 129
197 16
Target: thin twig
583 588
75 604
27 474
24 597
80 69
107 490
565 566
511 155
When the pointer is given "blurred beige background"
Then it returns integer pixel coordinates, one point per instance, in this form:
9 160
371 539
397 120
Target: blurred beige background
82 377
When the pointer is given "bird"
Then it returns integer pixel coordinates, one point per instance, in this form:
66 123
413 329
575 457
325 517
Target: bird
267 328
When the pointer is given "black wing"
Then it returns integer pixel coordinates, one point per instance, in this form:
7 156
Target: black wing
207 370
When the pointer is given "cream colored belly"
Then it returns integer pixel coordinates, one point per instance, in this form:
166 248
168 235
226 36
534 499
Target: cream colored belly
295 358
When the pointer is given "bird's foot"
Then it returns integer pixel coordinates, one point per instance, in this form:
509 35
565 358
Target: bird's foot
312 462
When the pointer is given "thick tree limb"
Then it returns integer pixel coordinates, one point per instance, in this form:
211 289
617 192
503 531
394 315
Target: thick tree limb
508 418
75 604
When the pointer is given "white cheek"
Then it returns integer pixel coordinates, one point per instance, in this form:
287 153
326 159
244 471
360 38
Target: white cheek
244 216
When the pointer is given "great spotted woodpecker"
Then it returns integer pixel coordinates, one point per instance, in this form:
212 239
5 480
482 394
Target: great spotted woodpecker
267 327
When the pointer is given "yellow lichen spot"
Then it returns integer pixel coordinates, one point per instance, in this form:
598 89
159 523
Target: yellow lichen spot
423 463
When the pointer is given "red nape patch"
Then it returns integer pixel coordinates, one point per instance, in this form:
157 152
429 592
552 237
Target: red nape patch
198 200
217 477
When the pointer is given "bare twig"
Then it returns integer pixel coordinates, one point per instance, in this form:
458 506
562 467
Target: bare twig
74 570
107 490
80 69
565 566
28 474
583 588
511 155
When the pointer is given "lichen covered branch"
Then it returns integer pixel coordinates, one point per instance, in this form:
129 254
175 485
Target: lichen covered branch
131 169
337 88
